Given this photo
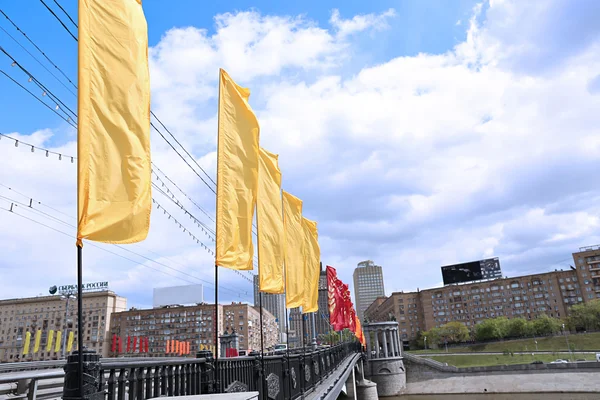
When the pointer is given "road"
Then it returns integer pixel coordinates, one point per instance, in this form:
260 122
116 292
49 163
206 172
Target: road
492 353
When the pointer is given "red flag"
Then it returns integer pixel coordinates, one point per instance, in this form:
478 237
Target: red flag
114 343
134 344
147 345
128 344
187 348
168 347
141 345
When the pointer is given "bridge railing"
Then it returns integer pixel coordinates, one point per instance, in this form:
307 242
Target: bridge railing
283 377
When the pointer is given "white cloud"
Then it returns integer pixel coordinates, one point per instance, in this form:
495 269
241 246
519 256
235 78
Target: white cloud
416 162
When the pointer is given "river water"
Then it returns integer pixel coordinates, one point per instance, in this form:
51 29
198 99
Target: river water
500 396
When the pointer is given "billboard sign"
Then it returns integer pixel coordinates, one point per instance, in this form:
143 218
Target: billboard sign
177 295
472 271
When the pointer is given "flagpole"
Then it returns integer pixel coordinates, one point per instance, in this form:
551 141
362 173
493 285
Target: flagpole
217 328
287 340
80 319
262 345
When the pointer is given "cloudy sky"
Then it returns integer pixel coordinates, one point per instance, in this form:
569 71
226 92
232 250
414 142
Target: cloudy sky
418 134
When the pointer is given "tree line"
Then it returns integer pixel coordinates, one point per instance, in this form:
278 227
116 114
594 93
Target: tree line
583 317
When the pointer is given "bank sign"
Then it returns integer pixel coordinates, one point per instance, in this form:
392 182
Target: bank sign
86 287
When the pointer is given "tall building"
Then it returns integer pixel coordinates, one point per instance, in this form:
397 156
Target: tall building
192 324
195 324
275 304
529 296
245 320
46 313
368 285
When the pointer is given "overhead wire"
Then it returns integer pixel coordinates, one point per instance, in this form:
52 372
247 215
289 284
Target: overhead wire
59 20
39 50
42 149
66 13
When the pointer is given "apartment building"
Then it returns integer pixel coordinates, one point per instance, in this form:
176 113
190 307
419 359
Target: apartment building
194 324
245 321
275 304
529 296
56 313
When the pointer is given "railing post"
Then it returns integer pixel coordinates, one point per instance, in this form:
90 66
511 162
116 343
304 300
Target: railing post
92 371
206 378
112 380
156 383
122 384
148 382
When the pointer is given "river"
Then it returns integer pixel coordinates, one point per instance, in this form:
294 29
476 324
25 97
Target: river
500 396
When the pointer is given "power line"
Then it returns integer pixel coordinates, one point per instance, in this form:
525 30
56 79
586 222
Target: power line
39 50
45 90
186 152
66 13
13 211
38 99
17 141
59 20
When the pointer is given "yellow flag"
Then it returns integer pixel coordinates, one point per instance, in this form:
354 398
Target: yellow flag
58 341
294 250
237 175
70 342
38 339
312 266
49 340
113 146
26 344
269 221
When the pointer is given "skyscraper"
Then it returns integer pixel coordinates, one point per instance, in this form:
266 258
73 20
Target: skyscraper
368 285
275 304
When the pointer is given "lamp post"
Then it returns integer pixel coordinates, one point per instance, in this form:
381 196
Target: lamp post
425 340
66 297
567 339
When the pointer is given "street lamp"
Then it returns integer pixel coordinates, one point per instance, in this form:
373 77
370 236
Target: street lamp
66 297
567 339
425 339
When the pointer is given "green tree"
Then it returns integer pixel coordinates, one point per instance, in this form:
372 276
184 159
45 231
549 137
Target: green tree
519 327
544 325
454 332
585 315
490 329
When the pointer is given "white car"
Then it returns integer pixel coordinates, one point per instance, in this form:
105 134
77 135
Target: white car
559 362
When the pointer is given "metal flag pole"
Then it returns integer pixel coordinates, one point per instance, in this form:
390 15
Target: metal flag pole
314 332
80 319
262 345
217 383
287 345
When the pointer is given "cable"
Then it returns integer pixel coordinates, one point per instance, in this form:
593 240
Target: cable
59 20
39 84
66 13
13 211
60 155
37 201
46 105
186 152
39 50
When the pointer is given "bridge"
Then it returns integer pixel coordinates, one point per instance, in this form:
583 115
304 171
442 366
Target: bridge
305 373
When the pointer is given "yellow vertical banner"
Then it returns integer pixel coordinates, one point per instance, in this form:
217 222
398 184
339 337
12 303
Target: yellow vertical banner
26 344
70 342
113 146
237 175
269 224
294 250
38 339
312 267
49 340
58 341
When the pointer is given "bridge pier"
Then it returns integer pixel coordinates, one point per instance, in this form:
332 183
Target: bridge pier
384 352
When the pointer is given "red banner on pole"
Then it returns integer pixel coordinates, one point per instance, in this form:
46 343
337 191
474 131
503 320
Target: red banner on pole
113 348
128 344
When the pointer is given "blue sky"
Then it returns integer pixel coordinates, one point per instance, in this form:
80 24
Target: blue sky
418 134
424 26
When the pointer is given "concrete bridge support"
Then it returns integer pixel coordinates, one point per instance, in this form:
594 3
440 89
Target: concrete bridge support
385 366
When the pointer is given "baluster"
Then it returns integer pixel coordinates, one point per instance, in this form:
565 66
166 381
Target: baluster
112 380
171 381
192 379
188 379
121 383
141 377
131 380
156 380
164 380
148 382
176 372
